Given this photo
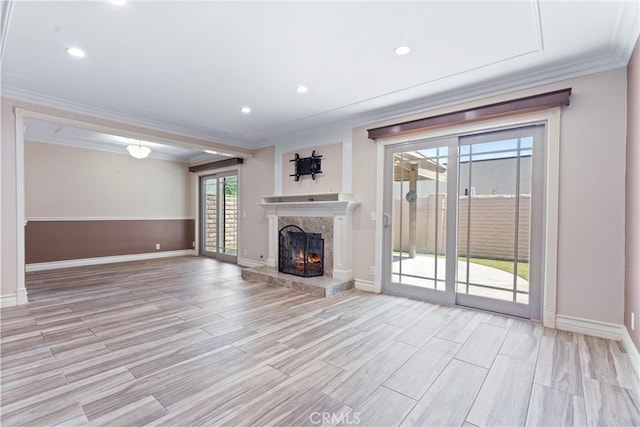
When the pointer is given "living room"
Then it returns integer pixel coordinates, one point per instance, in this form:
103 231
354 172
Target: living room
83 205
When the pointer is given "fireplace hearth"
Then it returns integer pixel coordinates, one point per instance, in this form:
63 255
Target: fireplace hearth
300 253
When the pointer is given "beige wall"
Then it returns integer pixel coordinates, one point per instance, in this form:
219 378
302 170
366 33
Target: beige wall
329 181
632 256
257 181
69 182
592 163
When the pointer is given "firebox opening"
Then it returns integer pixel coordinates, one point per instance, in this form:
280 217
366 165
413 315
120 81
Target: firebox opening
300 253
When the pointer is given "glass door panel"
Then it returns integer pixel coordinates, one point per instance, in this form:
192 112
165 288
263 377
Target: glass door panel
209 215
418 189
219 216
494 220
229 217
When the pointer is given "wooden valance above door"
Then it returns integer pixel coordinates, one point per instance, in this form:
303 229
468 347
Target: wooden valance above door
514 106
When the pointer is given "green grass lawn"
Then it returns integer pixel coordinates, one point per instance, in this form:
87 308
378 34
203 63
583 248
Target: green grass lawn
523 267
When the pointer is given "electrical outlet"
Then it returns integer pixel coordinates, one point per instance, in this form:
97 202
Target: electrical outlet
157 246
373 216
633 321
372 270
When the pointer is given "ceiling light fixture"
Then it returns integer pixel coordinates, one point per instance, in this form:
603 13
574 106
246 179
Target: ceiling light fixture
402 50
245 110
302 89
119 2
138 151
76 51
210 151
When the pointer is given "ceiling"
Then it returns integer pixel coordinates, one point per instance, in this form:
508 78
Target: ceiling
189 67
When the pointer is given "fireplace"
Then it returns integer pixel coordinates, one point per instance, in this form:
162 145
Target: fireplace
330 214
300 253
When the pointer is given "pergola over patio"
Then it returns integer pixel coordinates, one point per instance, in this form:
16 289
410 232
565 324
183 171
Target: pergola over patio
413 166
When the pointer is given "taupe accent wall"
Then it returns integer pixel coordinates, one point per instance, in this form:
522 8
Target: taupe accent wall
48 241
632 246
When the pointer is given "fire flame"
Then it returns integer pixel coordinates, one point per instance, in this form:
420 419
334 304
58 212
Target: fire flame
311 260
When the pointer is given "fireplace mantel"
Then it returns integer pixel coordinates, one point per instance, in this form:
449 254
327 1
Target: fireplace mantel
313 205
339 206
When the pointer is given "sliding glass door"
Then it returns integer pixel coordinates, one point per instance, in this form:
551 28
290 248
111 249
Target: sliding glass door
219 216
465 220
418 176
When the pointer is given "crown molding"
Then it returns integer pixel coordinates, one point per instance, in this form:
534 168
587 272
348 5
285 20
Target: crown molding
627 30
98 113
5 20
450 98
495 88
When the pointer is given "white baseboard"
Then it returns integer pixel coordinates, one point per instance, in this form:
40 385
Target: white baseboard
22 296
105 260
8 300
364 285
244 262
549 319
589 327
602 330
632 351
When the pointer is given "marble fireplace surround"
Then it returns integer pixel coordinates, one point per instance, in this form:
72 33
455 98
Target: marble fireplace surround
328 213
314 224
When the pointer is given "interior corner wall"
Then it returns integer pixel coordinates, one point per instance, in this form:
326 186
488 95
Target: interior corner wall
590 277
8 216
82 203
329 181
257 181
632 245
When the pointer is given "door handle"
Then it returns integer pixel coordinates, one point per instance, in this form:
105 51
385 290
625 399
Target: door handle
386 220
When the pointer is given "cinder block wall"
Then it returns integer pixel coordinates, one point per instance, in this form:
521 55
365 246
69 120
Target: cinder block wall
492 231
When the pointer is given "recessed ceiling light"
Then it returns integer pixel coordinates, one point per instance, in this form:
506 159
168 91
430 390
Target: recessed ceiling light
245 110
75 51
210 151
119 2
402 50
302 89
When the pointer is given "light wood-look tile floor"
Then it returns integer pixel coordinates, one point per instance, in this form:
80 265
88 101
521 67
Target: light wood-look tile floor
186 341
